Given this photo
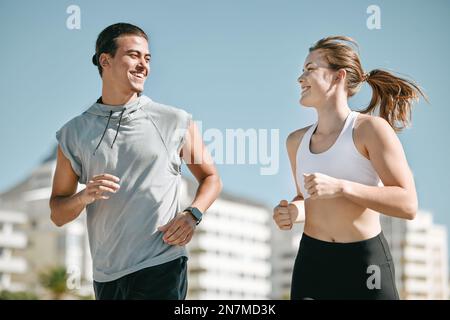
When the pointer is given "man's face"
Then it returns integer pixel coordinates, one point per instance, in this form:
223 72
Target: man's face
130 66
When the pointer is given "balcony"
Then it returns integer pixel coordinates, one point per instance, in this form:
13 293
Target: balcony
14 240
12 265
416 270
417 287
415 254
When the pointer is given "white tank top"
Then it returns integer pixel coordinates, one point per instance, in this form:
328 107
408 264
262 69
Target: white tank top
341 161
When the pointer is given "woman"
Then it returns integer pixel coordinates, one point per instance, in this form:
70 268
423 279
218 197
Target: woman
348 168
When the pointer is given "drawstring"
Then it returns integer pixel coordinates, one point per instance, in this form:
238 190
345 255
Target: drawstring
106 128
118 128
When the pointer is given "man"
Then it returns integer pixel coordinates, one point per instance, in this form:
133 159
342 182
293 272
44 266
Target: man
128 151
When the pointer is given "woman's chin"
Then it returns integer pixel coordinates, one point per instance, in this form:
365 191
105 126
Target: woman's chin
303 101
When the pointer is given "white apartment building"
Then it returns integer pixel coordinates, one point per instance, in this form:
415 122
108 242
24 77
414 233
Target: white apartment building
419 250
49 246
418 247
229 254
237 252
285 245
12 241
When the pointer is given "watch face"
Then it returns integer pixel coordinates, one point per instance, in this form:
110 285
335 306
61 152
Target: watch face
196 213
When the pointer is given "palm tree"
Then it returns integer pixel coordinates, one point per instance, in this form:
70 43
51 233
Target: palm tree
54 280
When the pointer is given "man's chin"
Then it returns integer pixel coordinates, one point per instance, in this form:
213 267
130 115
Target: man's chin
137 88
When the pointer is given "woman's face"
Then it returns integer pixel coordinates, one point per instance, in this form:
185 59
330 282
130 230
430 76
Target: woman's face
316 81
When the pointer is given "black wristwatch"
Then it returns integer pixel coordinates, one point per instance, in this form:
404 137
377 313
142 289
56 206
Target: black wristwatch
196 213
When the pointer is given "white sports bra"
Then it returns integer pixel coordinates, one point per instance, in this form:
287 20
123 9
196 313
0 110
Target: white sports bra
341 161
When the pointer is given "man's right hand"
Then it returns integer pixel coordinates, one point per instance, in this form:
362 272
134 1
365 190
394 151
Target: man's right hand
97 186
283 215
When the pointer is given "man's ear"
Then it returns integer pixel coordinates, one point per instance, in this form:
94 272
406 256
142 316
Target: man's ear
104 60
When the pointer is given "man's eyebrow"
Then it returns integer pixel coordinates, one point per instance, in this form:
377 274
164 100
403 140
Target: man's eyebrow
138 52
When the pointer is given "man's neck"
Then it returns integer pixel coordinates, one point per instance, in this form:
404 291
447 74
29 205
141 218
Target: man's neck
112 98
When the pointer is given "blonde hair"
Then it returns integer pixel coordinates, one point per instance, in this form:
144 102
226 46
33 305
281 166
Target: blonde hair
392 95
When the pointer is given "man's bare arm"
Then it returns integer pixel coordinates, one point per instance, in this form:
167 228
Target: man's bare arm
65 204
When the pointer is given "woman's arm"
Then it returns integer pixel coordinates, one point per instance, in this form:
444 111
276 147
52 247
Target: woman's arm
297 211
297 206
397 197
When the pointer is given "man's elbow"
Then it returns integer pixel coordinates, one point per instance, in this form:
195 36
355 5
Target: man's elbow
54 216
57 222
217 183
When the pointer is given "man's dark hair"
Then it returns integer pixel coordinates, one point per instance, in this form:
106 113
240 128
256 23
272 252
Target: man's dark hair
107 40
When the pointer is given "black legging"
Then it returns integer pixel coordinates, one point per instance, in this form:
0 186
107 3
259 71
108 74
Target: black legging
356 270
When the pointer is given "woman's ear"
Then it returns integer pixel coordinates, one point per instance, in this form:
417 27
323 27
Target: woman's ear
341 74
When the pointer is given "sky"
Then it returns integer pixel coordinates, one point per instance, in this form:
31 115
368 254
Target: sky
231 64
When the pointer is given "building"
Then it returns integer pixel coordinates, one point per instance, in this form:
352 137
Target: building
12 241
49 246
419 250
229 256
237 253
285 244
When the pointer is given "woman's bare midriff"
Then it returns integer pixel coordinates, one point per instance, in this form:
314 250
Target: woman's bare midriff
340 220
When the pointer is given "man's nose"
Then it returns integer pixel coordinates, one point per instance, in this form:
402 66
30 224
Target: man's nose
142 65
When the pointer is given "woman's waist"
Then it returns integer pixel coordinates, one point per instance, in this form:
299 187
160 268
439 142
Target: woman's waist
373 250
341 233
340 223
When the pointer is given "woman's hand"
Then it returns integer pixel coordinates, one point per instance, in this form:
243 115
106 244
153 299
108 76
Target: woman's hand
285 214
321 186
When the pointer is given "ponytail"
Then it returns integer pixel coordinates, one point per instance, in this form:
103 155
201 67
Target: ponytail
393 97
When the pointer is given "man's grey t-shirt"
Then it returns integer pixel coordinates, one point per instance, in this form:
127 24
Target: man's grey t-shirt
123 235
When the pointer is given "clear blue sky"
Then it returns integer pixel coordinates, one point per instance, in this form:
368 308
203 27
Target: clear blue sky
232 64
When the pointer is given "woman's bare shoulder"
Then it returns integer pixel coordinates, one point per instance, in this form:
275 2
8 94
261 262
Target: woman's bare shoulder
295 137
367 125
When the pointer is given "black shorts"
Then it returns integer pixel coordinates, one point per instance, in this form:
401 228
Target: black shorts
356 270
167 281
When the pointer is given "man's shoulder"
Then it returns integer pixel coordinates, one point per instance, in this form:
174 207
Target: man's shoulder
165 110
75 123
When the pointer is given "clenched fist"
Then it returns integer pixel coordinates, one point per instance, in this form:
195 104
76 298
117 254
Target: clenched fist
97 186
285 214
321 186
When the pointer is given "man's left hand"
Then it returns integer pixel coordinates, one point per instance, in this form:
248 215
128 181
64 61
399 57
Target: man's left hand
179 230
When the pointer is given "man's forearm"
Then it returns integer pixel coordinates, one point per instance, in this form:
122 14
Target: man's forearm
66 208
207 192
